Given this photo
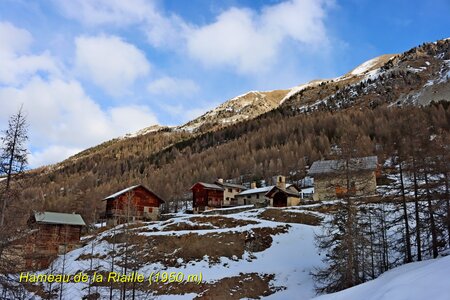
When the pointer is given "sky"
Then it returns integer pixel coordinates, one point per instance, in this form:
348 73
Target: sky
87 71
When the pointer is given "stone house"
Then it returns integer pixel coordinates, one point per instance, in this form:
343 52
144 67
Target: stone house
335 178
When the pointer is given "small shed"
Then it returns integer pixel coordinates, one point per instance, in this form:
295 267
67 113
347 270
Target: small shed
283 197
133 203
281 194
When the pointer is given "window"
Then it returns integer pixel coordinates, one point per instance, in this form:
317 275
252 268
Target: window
230 190
257 196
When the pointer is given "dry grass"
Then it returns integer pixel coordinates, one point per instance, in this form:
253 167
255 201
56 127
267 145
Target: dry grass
192 247
281 215
249 285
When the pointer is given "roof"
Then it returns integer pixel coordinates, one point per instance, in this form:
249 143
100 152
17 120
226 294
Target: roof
58 218
209 186
290 193
335 166
257 190
231 185
121 192
291 185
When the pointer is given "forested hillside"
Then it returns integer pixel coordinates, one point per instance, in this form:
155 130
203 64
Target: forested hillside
379 106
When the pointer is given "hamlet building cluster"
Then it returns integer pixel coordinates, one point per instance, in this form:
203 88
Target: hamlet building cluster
53 233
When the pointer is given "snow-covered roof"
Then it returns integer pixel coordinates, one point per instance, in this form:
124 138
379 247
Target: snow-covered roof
275 188
232 185
210 186
256 191
121 192
58 218
332 166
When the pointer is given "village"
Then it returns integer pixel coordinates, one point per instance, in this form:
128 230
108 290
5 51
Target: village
56 233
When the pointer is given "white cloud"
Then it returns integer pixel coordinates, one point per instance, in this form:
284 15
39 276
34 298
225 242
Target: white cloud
110 63
51 154
186 114
161 30
128 119
245 40
104 12
18 40
16 64
63 118
251 42
172 87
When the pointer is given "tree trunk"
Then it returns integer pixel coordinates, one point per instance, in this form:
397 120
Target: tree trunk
416 207
408 256
434 244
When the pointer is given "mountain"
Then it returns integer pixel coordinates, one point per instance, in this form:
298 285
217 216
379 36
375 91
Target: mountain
240 108
418 77
255 135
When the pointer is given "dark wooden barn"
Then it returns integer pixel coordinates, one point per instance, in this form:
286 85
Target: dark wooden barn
51 233
133 203
206 195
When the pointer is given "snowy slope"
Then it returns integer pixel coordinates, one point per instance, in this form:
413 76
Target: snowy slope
415 281
290 258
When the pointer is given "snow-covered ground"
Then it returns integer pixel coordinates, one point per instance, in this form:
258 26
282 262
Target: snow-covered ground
415 281
291 257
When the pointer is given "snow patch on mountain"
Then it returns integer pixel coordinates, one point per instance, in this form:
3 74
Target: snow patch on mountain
144 131
364 67
301 87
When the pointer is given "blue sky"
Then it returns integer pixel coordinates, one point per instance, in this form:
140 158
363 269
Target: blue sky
90 70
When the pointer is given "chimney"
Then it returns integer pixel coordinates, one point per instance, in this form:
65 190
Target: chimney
253 185
281 182
220 180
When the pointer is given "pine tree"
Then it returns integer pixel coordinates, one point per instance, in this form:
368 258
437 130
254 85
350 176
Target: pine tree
13 156
343 237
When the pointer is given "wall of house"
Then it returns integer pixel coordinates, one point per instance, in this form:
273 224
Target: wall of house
47 241
252 199
229 196
293 201
331 186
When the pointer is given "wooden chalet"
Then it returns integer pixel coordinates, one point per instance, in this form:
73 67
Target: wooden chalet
206 195
215 195
51 233
133 203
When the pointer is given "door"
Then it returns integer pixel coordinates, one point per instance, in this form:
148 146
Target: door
280 200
